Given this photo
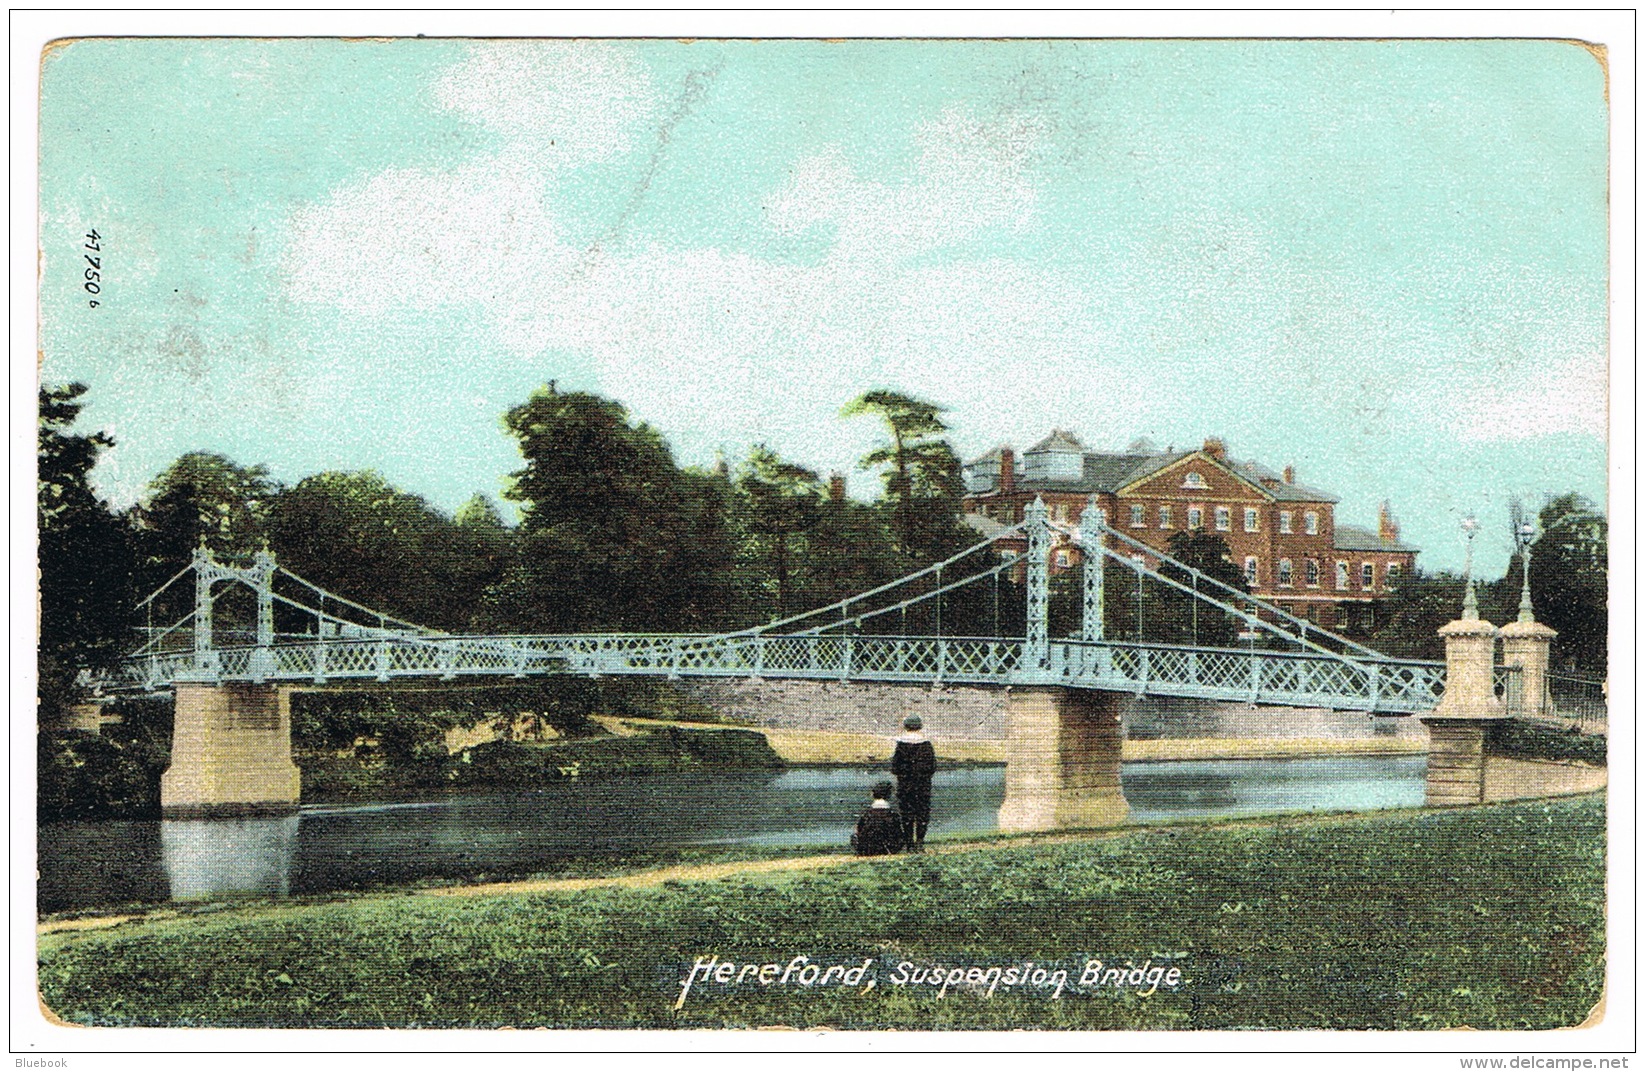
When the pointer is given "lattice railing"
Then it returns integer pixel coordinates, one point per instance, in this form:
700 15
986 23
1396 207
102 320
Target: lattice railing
1302 679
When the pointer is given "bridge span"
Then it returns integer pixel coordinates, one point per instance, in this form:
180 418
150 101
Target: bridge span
232 748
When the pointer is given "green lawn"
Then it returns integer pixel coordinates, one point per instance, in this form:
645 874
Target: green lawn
1488 917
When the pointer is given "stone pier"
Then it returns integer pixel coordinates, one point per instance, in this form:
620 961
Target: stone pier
230 752
1062 760
1460 723
1525 644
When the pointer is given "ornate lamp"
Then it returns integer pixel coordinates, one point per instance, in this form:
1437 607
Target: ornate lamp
1525 534
1470 601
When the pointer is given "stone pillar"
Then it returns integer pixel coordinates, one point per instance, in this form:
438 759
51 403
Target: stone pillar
1458 725
230 752
1062 753
1525 645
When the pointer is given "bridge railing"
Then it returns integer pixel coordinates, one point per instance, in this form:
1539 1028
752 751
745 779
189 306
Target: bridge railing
1581 700
1251 675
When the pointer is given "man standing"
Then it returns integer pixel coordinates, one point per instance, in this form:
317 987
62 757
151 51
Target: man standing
913 763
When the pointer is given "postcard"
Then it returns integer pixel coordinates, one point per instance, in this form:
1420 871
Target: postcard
891 536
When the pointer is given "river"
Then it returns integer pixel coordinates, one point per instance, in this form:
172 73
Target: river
329 847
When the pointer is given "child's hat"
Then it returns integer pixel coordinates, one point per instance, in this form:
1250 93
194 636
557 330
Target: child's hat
912 722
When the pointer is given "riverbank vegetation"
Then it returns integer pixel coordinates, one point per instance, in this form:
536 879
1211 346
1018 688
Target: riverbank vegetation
1419 920
352 744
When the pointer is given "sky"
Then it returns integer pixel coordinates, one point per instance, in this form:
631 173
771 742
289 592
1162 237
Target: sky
1383 263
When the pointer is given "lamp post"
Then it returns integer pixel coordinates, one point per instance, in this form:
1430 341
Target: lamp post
1525 533
1470 602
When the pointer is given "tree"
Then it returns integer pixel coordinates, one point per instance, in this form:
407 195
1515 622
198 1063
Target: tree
613 535
1184 619
923 487
203 498
357 535
1569 576
783 504
85 555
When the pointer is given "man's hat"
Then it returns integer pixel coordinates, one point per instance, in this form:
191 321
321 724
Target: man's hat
882 790
912 722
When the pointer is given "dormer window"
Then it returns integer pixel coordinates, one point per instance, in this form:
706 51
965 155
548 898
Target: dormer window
1193 480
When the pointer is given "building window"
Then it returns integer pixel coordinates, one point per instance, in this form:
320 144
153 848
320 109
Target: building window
1223 523
1063 557
1193 480
1285 521
1165 517
1062 511
1367 575
1393 573
1137 520
1285 573
1310 571
1251 571
1250 520
1310 523
1342 575
1196 517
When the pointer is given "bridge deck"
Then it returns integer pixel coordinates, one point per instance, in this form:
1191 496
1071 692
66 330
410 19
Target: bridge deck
1252 676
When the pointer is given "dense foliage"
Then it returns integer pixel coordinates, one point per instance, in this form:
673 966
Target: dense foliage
85 558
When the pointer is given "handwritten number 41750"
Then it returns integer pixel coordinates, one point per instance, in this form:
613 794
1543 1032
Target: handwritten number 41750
94 274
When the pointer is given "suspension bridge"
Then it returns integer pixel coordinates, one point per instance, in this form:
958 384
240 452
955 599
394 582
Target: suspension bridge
232 742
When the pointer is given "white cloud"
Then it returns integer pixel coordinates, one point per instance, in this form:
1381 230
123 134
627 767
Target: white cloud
564 102
970 175
736 346
1569 396
418 239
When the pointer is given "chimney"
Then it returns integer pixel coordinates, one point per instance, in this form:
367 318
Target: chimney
1387 527
836 487
1214 447
1008 471
1290 474
721 469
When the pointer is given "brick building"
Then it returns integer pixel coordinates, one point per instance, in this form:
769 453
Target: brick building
1283 534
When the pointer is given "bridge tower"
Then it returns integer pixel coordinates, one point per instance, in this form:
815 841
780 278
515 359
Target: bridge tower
1063 745
230 741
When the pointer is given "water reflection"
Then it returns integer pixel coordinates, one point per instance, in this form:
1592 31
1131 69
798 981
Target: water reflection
336 847
207 858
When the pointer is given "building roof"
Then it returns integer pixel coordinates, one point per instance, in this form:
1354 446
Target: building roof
1275 484
1058 440
1110 472
1354 538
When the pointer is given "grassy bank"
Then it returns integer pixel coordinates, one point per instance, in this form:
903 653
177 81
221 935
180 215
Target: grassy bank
1489 917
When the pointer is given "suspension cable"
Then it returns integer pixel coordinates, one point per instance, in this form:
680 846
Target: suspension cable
153 640
973 549
905 604
1256 602
174 578
383 619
